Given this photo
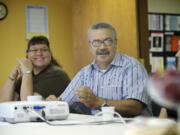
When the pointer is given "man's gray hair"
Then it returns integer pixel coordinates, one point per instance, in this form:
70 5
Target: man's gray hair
102 25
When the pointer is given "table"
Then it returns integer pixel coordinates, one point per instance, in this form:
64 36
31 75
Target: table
41 128
138 126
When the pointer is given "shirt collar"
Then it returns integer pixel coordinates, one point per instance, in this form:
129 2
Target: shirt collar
117 61
42 70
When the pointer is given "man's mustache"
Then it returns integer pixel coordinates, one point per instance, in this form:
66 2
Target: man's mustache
102 52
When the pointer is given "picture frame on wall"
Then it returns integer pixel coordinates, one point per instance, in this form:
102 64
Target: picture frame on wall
36 21
157 42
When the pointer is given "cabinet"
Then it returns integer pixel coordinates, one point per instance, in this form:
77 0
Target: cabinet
127 16
164 40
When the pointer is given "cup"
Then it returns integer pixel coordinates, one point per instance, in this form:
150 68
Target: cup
108 113
34 98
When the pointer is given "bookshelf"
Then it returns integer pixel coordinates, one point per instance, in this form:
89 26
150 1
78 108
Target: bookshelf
164 40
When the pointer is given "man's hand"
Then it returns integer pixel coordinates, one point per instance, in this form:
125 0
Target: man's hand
86 96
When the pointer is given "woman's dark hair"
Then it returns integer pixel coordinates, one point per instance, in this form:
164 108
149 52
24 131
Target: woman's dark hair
42 40
38 40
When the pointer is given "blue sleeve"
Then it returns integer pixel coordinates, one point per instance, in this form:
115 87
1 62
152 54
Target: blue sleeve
135 78
68 95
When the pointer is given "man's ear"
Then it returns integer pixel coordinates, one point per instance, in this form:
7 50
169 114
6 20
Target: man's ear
116 41
90 48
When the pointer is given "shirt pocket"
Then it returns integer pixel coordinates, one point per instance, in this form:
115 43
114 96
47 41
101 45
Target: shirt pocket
112 91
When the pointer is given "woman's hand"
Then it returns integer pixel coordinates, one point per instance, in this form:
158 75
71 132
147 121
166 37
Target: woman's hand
25 64
15 72
53 98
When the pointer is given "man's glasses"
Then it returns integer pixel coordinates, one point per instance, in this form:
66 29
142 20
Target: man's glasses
107 42
36 50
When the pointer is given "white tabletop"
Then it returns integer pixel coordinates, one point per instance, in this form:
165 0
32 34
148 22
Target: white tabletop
41 128
138 126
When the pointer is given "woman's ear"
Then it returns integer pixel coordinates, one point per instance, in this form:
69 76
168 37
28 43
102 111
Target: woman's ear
26 55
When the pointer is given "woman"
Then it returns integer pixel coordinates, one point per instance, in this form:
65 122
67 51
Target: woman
37 73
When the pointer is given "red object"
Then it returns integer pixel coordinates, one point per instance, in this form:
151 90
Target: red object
168 84
174 43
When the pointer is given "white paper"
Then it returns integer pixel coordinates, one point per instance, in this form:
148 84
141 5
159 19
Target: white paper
36 20
157 42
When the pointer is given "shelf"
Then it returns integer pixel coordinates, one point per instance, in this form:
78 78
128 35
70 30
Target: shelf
164 38
163 53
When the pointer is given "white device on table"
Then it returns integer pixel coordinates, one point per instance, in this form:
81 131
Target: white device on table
27 111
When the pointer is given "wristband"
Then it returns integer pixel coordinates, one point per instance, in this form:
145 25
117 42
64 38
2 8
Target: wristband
27 72
105 104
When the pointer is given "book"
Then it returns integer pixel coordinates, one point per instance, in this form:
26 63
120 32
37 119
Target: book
157 64
174 43
174 23
155 22
178 23
167 22
171 63
168 42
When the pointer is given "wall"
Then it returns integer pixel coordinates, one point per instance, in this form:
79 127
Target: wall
164 6
12 33
69 21
120 13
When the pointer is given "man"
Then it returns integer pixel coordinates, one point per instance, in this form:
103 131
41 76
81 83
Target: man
116 77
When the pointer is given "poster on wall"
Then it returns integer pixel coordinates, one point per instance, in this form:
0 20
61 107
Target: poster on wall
156 42
36 21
